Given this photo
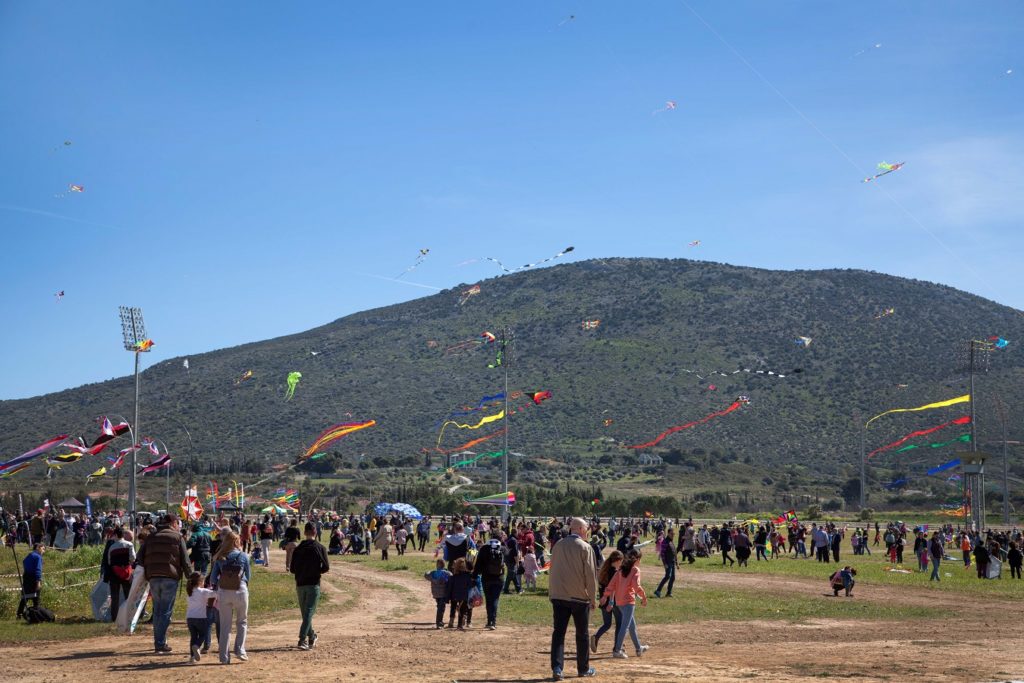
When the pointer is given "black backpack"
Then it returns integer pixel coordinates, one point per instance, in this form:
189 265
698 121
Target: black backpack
493 562
35 615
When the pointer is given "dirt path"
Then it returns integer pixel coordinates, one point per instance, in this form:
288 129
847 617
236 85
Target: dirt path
381 629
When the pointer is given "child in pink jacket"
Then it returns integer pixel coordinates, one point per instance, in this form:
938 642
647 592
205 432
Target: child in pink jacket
622 590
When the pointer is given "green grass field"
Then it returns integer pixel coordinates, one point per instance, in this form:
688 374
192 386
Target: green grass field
691 603
271 596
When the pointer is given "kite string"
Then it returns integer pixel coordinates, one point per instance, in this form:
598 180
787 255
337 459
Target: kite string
825 137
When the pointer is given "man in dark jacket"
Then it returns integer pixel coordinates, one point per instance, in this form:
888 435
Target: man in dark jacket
309 562
490 566
165 559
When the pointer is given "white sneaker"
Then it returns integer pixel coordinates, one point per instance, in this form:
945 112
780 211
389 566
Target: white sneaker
641 650
620 654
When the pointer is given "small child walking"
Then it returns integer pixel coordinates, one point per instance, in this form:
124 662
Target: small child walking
530 569
195 615
457 593
439 579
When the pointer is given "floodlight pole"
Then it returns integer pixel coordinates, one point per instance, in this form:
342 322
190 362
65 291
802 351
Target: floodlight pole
1001 409
133 331
132 492
863 458
505 359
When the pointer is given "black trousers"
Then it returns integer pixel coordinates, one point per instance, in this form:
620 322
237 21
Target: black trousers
118 593
30 589
579 612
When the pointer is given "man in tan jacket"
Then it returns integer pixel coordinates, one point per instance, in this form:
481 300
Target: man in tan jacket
572 585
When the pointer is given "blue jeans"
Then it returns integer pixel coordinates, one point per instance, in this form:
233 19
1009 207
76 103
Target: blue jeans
627 624
606 622
164 592
670 578
511 577
935 569
212 621
492 591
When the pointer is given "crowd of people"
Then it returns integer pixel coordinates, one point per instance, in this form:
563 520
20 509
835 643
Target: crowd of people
593 565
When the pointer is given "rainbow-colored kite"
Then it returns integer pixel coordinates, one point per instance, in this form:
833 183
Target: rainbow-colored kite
922 432
507 499
332 434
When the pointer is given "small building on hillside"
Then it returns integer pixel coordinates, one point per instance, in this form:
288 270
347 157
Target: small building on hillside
648 459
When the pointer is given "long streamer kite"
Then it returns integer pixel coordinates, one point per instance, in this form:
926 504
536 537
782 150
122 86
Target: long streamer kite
475 458
885 168
482 404
963 438
944 466
966 398
35 452
419 259
507 499
468 293
332 434
701 374
678 428
14 470
96 475
245 375
484 420
470 444
473 344
921 432
528 265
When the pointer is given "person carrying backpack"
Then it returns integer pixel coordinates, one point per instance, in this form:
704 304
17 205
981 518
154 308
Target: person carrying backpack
199 545
231 575
118 560
308 563
490 566
31 578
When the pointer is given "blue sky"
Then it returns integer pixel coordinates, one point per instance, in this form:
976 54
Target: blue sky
250 166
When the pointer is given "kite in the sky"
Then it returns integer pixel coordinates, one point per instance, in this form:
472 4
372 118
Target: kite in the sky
963 438
672 430
467 293
96 475
669 106
59 295
419 259
471 443
484 420
529 265
803 341
157 465
76 188
332 434
695 243
966 398
144 345
884 313
184 364
712 387
944 466
921 432
293 381
245 375
4 474
999 342
539 396
471 344
702 374
470 461
873 47
886 168
507 499
571 17
590 324
608 422
29 455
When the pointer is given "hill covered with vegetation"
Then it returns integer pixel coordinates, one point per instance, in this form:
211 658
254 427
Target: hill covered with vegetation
621 383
